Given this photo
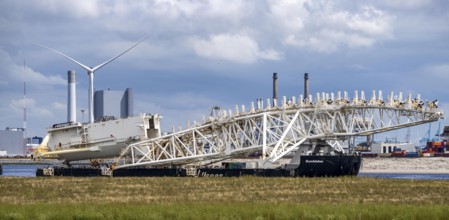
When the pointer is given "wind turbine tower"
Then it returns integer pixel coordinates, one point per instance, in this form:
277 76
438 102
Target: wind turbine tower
90 73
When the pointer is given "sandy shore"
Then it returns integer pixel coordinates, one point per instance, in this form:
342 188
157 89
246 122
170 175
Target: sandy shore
421 165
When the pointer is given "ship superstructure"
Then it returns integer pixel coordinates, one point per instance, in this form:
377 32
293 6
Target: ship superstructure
77 141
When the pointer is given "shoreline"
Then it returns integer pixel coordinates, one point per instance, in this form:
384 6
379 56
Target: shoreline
394 165
393 171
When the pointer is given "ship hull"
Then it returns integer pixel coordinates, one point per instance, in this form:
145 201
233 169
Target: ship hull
102 139
345 165
311 166
103 151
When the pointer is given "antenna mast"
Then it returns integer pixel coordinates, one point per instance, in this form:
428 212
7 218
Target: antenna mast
24 114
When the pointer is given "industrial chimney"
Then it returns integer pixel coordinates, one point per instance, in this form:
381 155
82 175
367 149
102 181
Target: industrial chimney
306 86
275 87
71 96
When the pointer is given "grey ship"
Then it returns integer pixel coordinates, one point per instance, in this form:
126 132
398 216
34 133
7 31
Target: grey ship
77 141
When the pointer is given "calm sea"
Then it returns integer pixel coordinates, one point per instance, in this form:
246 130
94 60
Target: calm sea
25 170
29 170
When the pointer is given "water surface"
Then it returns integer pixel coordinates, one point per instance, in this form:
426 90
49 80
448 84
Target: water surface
25 170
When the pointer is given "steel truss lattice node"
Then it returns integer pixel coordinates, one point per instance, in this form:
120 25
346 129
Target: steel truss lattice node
278 130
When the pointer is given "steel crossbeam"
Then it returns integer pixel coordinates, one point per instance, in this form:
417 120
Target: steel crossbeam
278 130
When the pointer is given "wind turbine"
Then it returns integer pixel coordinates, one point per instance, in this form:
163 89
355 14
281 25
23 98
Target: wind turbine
90 73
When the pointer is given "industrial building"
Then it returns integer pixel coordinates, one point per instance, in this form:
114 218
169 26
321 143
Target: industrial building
32 144
118 104
12 141
389 147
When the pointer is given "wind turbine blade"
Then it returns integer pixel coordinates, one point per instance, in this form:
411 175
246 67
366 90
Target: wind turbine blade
82 65
112 59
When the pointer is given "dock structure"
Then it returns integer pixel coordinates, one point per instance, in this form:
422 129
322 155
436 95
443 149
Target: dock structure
289 126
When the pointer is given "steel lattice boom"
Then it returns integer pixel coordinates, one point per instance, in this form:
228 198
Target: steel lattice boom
280 129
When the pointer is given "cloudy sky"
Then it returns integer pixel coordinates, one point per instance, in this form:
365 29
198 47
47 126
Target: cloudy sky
222 52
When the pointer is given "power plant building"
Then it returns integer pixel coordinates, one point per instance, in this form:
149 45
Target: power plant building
12 141
118 104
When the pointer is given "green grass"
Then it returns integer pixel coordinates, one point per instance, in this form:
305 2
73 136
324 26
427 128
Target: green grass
255 210
222 198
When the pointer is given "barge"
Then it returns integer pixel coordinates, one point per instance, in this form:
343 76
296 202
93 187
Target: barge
310 166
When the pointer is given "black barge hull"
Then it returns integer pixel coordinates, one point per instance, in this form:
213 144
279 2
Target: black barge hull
310 166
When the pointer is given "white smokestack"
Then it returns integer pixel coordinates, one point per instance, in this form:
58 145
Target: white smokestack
71 96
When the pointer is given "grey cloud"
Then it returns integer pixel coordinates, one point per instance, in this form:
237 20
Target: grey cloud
222 52
13 73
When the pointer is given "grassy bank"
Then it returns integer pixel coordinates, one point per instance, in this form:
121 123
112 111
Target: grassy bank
222 198
256 210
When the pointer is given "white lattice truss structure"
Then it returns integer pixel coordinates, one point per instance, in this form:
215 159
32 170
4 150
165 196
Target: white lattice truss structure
277 130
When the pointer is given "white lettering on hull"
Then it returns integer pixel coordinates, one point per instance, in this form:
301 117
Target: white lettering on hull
314 161
205 174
